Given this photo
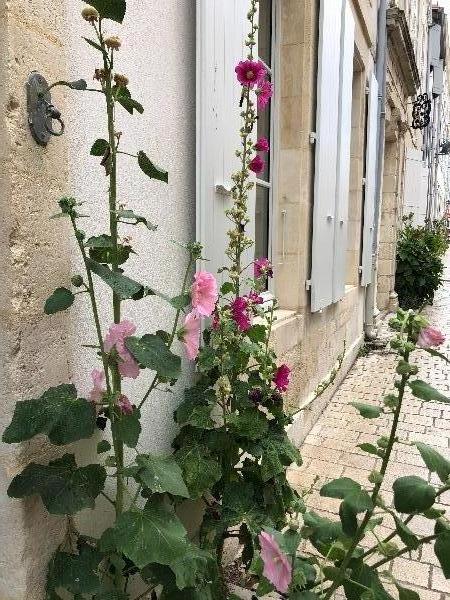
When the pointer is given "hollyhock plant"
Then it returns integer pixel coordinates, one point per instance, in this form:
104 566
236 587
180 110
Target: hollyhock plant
262 145
98 391
430 337
264 93
250 72
115 338
241 314
277 566
257 165
282 378
190 334
124 405
262 267
204 293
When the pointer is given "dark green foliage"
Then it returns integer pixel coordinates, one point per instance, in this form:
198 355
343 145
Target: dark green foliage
110 9
152 352
150 169
61 299
75 573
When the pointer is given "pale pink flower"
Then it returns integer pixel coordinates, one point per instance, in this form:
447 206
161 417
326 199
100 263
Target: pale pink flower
97 392
124 405
264 93
115 338
250 72
281 378
429 337
257 165
277 567
190 335
204 293
262 145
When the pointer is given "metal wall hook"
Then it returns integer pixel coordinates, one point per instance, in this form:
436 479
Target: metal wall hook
41 111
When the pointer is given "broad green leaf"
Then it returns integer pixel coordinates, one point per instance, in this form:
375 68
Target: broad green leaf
64 488
340 488
238 501
123 286
363 575
434 461
405 534
129 217
103 446
442 551
101 249
99 147
370 448
152 353
195 410
194 567
123 96
257 333
200 469
58 413
368 411
413 494
111 595
110 9
249 423
322 532
355 502
422 390
180 302
150 169
277 452
128 428
305 595
406 594
152 535
61 299
76 573
161 474
226 288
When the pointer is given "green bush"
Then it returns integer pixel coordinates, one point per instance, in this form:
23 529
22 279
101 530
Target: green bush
419 262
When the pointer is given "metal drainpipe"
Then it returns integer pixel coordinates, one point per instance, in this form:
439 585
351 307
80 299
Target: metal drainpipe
370 309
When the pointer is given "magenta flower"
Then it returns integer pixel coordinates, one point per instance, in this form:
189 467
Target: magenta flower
124 405
115 338
264 93
241 314
97 392
204 293
254 298
257 164
281 378
429 337
277 566
250 72
262 145
262 267
190 335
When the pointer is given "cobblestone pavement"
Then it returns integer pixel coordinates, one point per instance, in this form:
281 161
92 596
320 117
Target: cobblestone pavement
330 449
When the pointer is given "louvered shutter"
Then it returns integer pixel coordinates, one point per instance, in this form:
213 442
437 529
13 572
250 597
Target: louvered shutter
416 186
343 155
221 30
370 188
327 122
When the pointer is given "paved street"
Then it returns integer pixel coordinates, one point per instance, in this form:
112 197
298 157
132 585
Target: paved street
330 449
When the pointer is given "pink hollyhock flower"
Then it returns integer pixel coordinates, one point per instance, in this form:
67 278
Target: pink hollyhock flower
257 164
277 566
262 145
262 267
429 337
204 293
250 72
190 335
241 314
115 338
254 298
215 321
264 93
281 378
124 405
97 392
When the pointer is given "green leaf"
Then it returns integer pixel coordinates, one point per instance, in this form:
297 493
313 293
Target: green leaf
94 44
110 9
227 288
150 169
257 333
112 595
249 423
405 534
424 391
65 489
123 96
322 532
434 461
123 286
128 428
368 411
61 299
413 494
152 353
129 215
195 410
180 302
277 453
355 502
194 567
58 413
434 352
79 84
99 147
405 594
153 535
306 595
442 551
161 474
103 446
76 573
370 448
200 469
101 249
340 488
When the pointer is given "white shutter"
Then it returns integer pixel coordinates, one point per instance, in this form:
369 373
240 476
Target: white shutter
416 186
370 188
221 31
344 149
326 154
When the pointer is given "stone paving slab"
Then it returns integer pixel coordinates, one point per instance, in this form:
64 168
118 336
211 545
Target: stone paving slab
330 450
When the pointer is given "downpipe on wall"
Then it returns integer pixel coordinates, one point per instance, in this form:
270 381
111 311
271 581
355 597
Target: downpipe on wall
370 308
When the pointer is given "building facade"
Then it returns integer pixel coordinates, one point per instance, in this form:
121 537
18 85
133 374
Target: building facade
326 210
